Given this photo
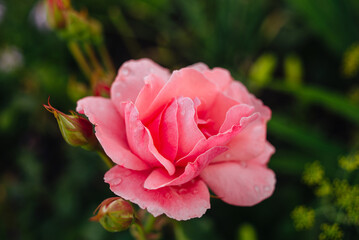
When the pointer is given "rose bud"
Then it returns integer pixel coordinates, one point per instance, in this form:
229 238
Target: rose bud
76 130
55 12
114 214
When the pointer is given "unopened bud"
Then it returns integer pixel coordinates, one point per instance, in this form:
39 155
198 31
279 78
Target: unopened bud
56 12
76 130
102 89
114 214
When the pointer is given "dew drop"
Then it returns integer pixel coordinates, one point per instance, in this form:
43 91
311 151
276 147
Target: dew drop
125 71
243 164
266 188
118 94
195 191
228 155
256 188
182 191
117 181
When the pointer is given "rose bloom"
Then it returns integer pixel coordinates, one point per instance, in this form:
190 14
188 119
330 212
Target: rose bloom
175 136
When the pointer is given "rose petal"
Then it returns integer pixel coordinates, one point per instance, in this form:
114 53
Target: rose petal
140 140
217 112
188 132
153 84
160 178
168 132
110 131
131 79
264 157
181 203
201 67
237 91
239 185
265 111
219 76
246 145
235 114
186 82
221 139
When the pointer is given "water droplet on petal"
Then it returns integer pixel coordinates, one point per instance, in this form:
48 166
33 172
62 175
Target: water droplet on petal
266 188
194 191
256 188
125 71
117 181
244 164
228 155
182 191
118 94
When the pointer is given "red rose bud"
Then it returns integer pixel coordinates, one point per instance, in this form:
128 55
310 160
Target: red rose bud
102 89
76 130
114 214
56 12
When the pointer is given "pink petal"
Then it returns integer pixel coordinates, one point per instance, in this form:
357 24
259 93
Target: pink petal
110 131
186 82
160 178
201 67
221 139
181 203
264 157
153 84
131 79
140 140
188 132
265 111
239 185
246 145
217 112
219 76
238 92
168 132
235 114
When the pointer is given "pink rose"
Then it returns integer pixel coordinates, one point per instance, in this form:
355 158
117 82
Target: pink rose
173 136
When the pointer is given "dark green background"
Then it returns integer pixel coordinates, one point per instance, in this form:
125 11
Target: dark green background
48 189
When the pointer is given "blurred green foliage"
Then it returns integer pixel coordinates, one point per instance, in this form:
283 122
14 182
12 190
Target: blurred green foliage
299 56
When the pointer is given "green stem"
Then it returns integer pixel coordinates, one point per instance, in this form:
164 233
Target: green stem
91 53
150 221
77 53
106 159
106 59
178 231
139 232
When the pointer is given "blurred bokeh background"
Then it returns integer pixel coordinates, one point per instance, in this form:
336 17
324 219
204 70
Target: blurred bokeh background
301 57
